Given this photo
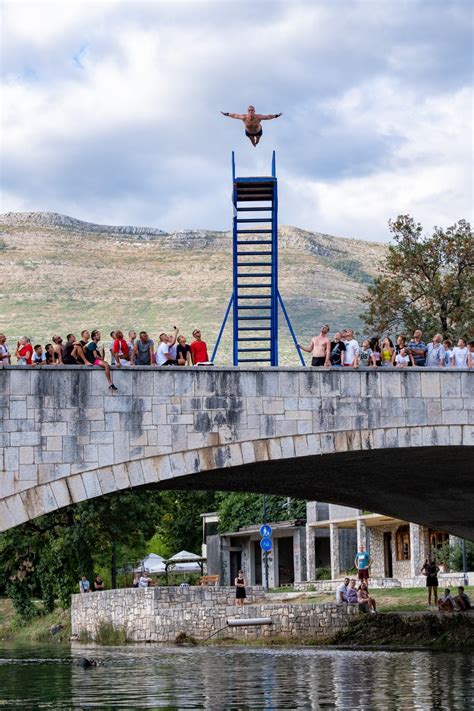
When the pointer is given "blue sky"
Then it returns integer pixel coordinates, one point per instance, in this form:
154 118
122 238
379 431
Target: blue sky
111 110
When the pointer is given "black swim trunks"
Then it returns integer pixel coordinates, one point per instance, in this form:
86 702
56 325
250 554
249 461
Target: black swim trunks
253 134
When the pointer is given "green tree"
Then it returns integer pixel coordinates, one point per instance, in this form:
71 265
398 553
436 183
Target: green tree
180 525
425 282
237 510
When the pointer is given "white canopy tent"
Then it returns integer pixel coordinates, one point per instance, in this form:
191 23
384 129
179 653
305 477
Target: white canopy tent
152 563
185 562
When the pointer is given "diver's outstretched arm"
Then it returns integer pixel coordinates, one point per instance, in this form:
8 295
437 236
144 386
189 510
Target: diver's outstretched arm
236 116
267 117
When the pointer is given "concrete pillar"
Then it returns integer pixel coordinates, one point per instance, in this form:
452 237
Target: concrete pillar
310 554
334 547
299 554
416 549
361 535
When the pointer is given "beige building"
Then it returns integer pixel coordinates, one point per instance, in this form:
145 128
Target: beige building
398 549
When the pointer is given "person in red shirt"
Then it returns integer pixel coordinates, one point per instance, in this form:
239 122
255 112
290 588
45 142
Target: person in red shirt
120 350
198 349
24 351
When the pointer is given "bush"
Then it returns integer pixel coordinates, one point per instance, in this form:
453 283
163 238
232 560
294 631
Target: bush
20 594
323 574
455 556
109 635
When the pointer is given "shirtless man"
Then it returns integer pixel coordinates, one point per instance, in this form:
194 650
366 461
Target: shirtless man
320 347
253 128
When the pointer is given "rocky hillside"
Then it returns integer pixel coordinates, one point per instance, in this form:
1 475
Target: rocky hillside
61 274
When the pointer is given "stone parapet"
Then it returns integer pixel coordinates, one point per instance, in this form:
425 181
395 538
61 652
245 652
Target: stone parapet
147 615
65 437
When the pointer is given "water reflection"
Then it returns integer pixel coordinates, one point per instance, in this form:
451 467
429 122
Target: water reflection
42 676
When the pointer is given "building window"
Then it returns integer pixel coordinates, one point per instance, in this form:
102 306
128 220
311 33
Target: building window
403 543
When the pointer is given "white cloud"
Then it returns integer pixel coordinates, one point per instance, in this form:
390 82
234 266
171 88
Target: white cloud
110 110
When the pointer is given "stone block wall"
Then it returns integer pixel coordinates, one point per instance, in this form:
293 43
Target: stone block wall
65 438
151 615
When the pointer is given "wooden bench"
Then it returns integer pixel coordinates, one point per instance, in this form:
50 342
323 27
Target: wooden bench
209 580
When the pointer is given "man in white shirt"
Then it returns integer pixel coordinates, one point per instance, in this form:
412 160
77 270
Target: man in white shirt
341 592
460 356
351 357
163 355
5 358
435 353
144 580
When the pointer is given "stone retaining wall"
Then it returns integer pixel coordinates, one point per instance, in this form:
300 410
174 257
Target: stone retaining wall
450 580
159 614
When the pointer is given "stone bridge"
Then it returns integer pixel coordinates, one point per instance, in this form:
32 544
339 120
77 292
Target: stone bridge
399 443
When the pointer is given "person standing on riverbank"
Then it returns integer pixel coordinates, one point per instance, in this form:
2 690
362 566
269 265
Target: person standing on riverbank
362 562
430 569
240 593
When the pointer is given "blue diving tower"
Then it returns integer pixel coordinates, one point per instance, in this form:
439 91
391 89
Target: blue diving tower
255 295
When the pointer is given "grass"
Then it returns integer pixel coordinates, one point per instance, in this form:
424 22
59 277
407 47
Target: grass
388 600
36 630
50 261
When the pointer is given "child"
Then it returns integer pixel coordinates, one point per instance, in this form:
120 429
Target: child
446 603
49 353
403 359
39 358
448 345
366 355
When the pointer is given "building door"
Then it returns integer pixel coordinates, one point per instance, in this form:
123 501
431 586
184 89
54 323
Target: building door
286 564
387 554
257 557
235 564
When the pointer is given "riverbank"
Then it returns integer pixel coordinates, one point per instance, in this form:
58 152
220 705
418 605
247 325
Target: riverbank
42 628
406 621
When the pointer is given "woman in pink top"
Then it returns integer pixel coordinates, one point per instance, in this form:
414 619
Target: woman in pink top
320 347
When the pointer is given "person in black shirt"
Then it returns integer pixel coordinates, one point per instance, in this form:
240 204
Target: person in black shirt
338 348
183 352
72 352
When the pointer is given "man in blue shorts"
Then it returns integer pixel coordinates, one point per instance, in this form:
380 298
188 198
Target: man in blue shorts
253 127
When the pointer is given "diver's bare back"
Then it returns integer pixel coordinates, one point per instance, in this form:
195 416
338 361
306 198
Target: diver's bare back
252 123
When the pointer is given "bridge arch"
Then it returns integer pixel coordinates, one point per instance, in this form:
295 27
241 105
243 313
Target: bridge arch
294 432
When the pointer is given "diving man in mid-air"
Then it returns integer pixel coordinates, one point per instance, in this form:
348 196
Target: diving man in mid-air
253 128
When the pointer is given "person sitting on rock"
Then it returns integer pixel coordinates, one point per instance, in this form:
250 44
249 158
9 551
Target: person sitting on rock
363 598
463 602
446 603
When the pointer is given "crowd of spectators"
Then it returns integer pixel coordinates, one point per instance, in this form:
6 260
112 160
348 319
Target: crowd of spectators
121 352
343 350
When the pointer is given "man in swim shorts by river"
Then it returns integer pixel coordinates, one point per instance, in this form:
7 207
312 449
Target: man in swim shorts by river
253 128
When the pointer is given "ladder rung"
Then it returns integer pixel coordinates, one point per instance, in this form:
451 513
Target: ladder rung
254 296
252 209
256 274
253 350
254 318
254 241
254 286
254 308
254 254
254 198
254 264
255 219
255 338
254 232
254 360
254 328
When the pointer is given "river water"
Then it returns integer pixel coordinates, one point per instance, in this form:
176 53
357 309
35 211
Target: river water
35 676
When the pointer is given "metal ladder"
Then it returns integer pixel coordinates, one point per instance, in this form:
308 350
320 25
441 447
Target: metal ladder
255 295
255 269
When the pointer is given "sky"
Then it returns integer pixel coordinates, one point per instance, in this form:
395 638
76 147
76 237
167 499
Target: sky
110 110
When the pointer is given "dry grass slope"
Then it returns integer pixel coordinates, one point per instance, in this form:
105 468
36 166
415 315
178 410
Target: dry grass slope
61 275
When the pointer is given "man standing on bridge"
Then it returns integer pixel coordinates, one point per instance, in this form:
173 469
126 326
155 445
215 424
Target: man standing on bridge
253 127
